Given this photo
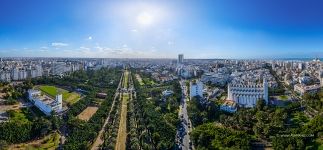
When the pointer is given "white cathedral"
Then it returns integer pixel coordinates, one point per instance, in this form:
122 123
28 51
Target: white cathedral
248 95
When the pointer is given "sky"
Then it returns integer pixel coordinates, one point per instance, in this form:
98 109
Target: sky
162 29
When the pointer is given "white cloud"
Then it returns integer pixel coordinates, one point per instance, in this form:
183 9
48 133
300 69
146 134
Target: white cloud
122 51
89 38
170 43
44 47
84 48
59 44
134 30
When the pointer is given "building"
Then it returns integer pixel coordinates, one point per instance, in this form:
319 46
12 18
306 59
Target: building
167 93
45 103
15 74
320 75
300 66
180 59
229 106
5 76
58 68
248 95
101 95
196 88
302 89
22 74
220 79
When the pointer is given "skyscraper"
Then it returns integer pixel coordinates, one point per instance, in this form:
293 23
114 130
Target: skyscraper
180 59
320 74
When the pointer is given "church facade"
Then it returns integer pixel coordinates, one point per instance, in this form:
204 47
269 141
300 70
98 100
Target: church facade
248 95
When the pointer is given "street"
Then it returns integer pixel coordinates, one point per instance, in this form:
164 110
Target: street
182 136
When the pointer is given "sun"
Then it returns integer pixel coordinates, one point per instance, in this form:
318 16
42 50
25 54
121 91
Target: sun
145 18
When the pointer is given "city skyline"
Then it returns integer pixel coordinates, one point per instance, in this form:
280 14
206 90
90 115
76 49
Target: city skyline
162 29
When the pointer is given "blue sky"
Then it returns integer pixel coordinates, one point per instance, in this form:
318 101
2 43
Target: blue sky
162 29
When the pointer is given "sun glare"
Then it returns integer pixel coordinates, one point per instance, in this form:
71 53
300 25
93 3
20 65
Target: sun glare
144 18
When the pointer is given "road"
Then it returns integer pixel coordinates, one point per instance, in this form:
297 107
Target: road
122 131
99 141
182 135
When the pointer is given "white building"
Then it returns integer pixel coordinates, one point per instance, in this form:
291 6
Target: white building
320 75
45 103
15 74
58 68
167 93
229 106
302 89
196 89
39 70
5 76
215 78
22 75
248 95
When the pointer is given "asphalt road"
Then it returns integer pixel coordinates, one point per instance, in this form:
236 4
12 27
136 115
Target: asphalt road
183 131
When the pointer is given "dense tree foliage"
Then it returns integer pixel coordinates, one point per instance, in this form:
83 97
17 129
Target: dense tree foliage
283 127
89 80
13 93
212 136
22 130
314 100
155 122
302 137
81 133
201 112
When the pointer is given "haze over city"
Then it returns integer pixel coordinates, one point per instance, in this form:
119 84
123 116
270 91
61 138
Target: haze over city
161 29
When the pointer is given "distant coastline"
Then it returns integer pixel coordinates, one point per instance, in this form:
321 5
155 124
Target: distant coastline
299 59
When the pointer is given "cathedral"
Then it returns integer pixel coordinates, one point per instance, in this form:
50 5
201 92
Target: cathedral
248 95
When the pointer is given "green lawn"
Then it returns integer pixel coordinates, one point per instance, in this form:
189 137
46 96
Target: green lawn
68 97
52 90
283 97
148 81
140 80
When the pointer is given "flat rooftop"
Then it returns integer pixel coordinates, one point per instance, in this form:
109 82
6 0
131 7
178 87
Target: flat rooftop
44 98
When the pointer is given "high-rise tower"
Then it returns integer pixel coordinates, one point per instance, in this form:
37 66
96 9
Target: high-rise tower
180 59
320 74
265 86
